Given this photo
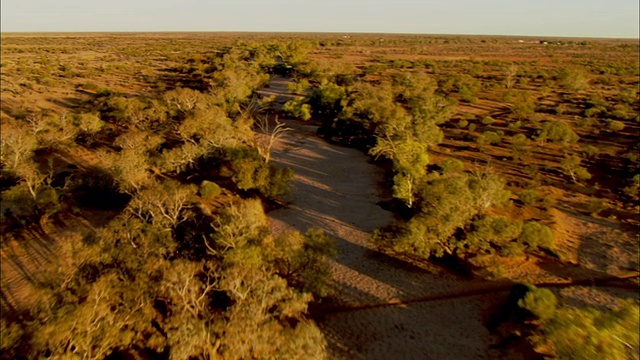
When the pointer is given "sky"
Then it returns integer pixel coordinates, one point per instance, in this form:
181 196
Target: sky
575 18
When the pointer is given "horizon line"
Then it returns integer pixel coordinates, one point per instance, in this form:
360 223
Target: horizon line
306 32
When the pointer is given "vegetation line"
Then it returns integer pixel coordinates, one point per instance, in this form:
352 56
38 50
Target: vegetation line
604 281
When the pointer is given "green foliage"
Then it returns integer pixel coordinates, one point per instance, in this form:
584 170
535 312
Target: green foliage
328 100
451 166
573 78
523 104
536 235
209 189
591 151
298 87
490 232
410 161
128 288
541 303
571 166
589 333
89 123
18 143
249 172
520 145
302 259
448 205
615 126
17 201
557 131
405 115
489 138
487 120
299 108
529 197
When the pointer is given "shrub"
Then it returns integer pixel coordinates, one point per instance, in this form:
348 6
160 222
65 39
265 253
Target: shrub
302 260
450 166
541 303
462 123
594 206
209 189
492 231
298 108
519 145
515 125
592 334
591 151
536 235
298 87
557 131
529 197
582 174
487 120
489 137
573 79
615 125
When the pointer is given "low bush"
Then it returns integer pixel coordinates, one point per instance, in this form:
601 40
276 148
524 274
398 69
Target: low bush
209 189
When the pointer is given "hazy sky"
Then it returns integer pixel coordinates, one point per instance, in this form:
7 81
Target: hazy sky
588 18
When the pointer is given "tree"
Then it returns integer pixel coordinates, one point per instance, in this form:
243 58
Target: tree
410 162
573 78
447 206
298 107
489 137
451 166
541 303
183 100
510 74
571 166
249 172
520 145
536 235
522 103
18 144
557 131
588 333
490 232
32 177
89 123
328 100
615 126
130 169
211 128
302 260
163 204
268 136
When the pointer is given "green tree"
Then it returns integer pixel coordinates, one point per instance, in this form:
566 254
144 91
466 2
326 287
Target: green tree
536 235
571 166
520 146
557 131
302 260
573 78
541 303
589 333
